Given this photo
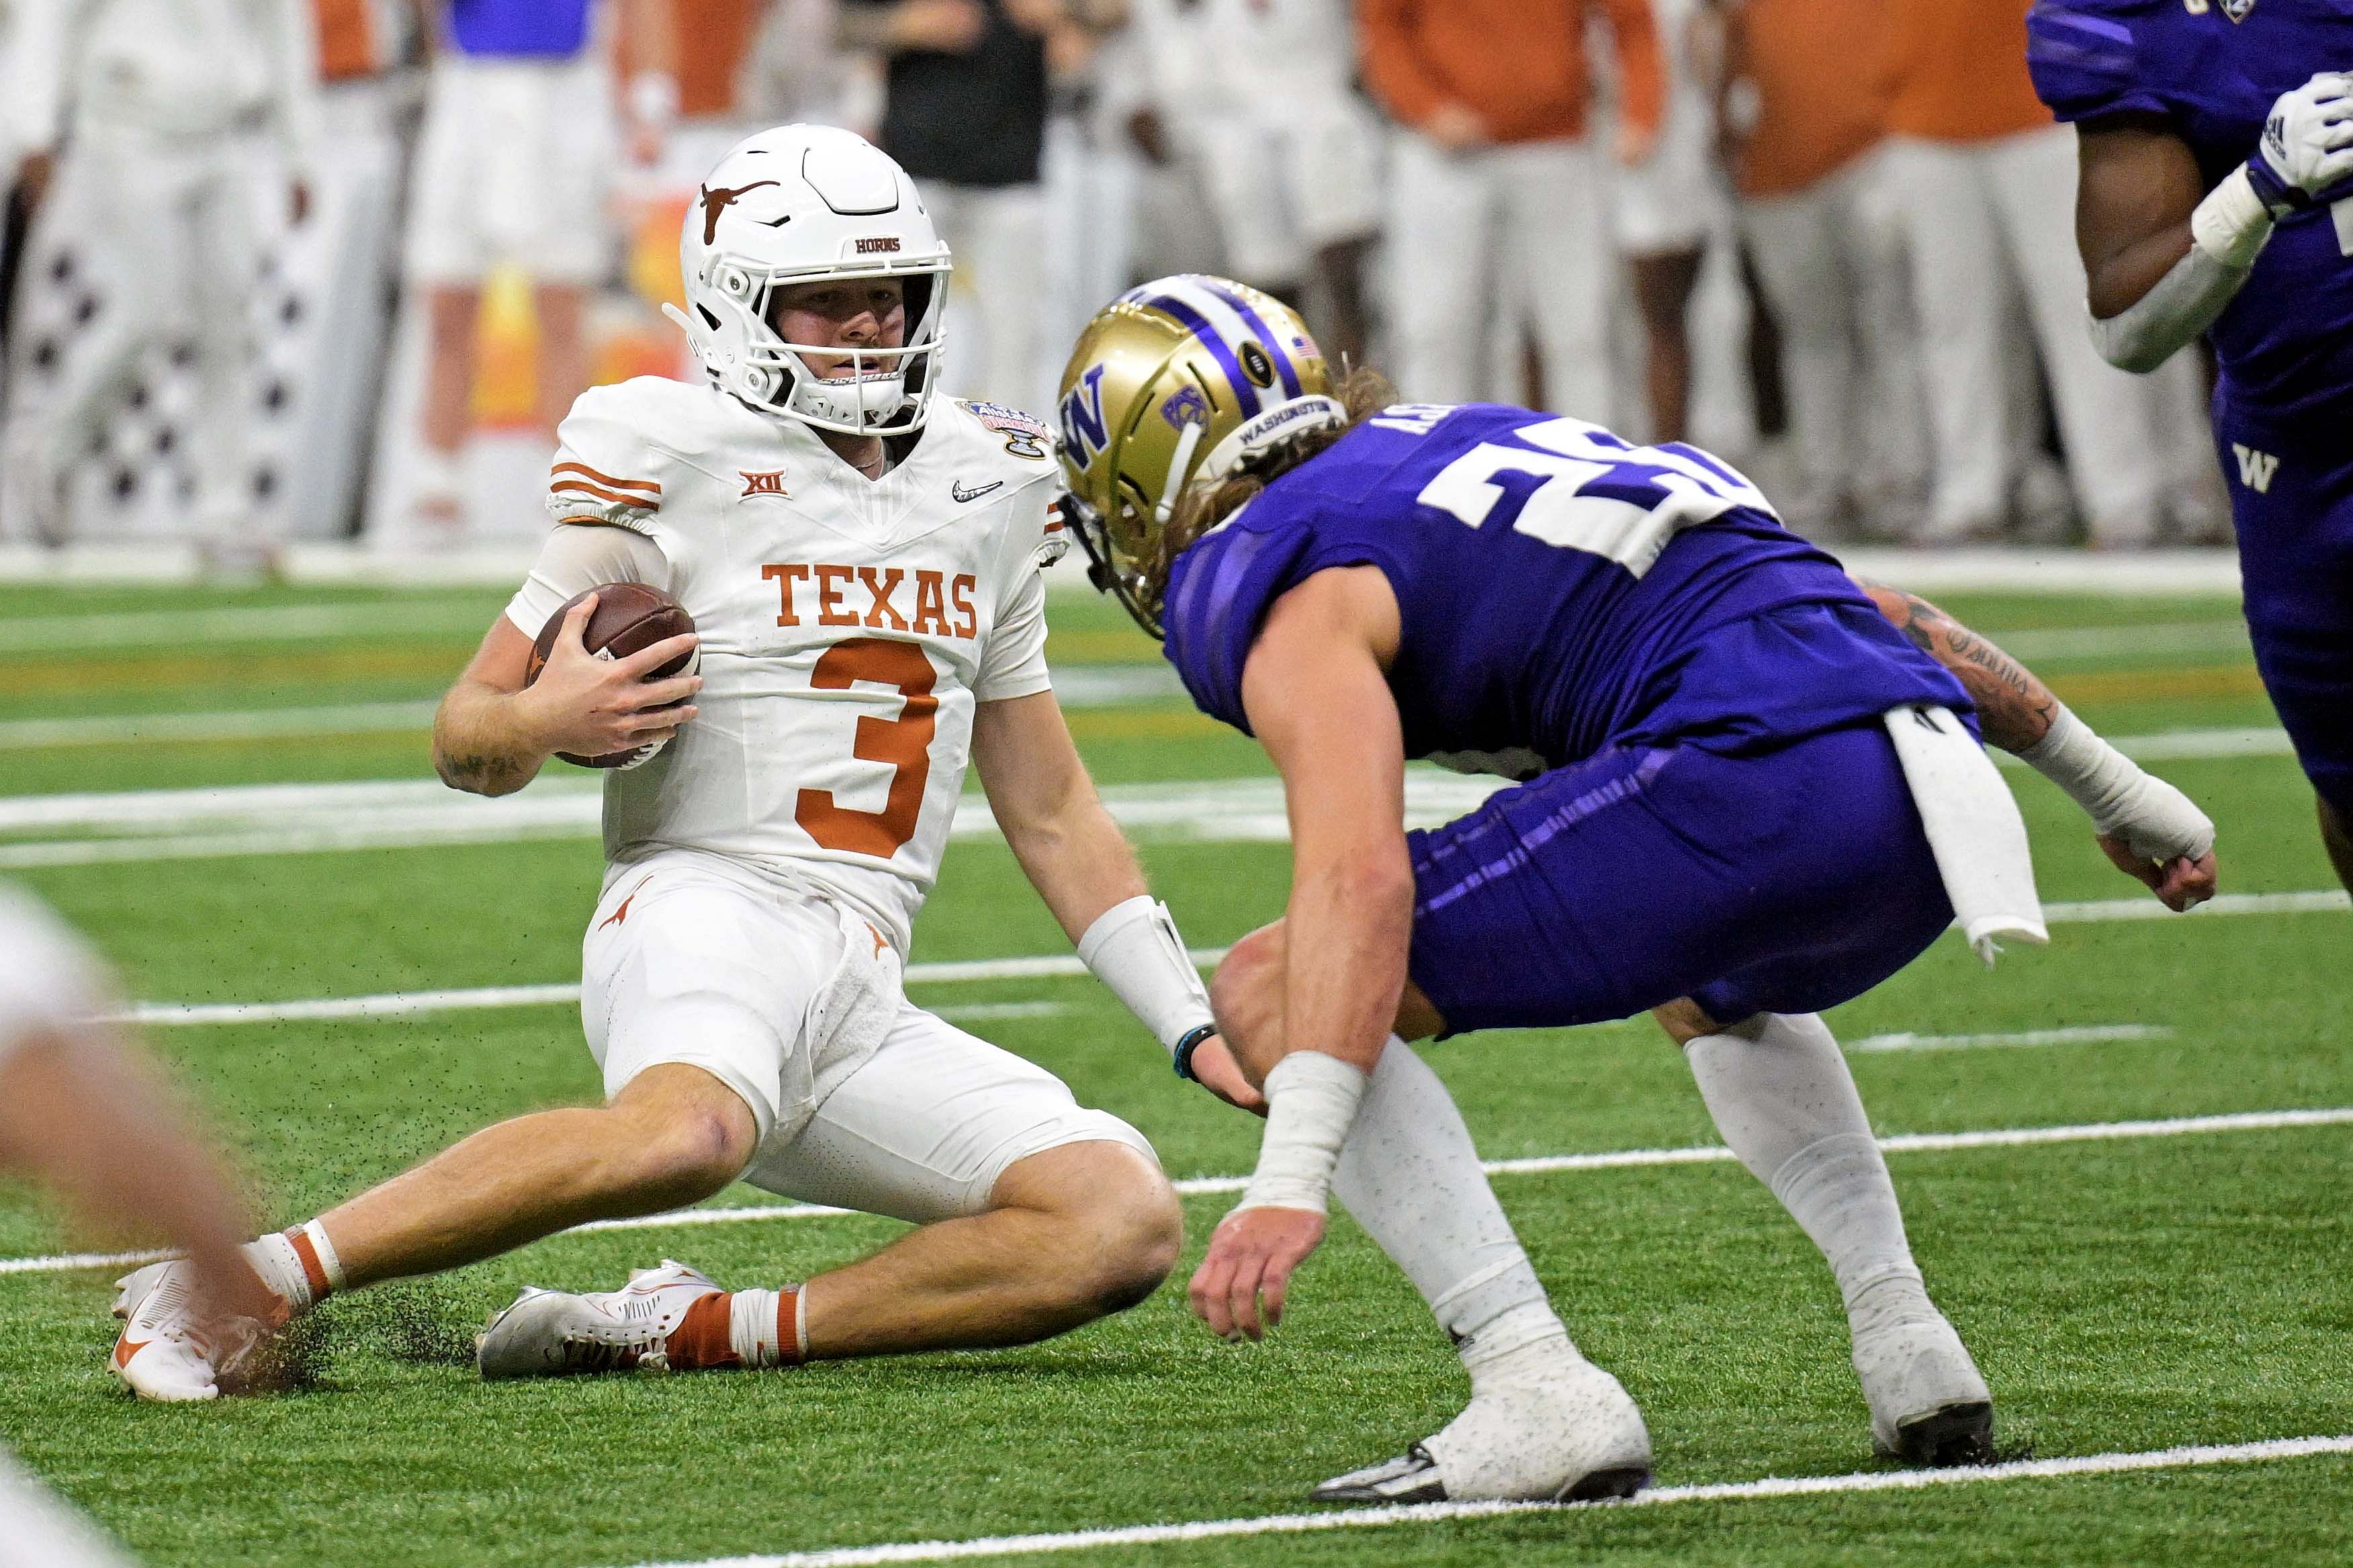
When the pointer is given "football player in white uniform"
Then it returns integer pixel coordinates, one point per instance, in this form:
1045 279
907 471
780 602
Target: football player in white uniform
80 1111
861 561
167 105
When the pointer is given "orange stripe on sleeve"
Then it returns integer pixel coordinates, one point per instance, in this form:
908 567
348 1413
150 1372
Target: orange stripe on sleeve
570 486
585 472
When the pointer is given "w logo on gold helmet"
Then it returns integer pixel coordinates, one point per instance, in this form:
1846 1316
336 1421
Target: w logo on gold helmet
1176 383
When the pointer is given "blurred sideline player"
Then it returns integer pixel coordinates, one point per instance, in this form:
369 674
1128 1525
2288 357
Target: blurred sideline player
81 1112
159 179
863 560
1666 208
1734 768
2217 193
967 90
514 166
29 121
1260 96
1803 146
1496 191
1981 176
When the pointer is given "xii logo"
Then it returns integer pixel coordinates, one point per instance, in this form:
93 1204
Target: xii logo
2255 468
771 483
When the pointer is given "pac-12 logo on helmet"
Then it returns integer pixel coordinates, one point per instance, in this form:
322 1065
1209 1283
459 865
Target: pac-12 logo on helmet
1230 372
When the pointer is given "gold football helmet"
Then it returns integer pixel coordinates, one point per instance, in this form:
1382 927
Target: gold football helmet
1175 382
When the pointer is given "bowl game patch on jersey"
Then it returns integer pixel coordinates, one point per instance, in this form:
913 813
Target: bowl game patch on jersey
1024 436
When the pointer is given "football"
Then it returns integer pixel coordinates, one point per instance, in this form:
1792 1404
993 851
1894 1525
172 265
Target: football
629 617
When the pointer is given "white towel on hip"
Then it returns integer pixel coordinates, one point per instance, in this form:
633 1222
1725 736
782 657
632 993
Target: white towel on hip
1973 825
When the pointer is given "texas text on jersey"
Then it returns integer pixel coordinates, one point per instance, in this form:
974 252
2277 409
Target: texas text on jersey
876 614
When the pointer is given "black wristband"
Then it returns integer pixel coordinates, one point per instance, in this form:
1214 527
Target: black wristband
1187 1046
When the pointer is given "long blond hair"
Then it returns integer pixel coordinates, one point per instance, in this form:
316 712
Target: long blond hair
1363 392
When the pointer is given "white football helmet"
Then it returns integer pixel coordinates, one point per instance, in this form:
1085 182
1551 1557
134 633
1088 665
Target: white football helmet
787 206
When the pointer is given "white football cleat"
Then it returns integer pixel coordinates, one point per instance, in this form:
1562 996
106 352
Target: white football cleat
551 1334
1928 1404
1578 1438
162 1352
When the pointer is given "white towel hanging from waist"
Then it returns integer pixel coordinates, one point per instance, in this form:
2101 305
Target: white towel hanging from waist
1974 828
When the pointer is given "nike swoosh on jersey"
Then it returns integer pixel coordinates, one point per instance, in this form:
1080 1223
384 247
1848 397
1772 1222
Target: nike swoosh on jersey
962 494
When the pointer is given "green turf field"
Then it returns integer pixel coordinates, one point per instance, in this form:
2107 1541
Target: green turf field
2122 1294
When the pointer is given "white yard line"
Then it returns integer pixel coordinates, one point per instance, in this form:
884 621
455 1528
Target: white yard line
1079 687
1537 1166
2039 570
2036 644
2226 906
167 630
250 724
410 1003
2192 745
2081 1033
2184 1457
302 818
1065 965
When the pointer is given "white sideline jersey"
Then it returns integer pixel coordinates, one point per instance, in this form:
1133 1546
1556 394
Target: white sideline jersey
849 626
177 69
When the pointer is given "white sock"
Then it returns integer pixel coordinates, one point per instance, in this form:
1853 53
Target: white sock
757 1331
1782 1097
299 1264
1410 1175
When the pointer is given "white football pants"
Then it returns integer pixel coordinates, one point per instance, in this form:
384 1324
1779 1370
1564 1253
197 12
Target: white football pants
1850 357
997 307
1986 220
169 236
1499 235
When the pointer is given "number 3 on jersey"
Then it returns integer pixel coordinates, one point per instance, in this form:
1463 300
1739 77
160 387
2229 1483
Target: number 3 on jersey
904 742
1597 494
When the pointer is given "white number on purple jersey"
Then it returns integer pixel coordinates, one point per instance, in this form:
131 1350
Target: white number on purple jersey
1571 457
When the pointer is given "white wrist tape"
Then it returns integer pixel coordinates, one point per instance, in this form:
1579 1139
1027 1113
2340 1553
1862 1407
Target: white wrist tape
2156 820
1311 1103
2232 224
2096 774
1132 948
2184 302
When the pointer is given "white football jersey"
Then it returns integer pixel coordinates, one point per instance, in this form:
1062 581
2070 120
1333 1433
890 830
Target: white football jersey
848 626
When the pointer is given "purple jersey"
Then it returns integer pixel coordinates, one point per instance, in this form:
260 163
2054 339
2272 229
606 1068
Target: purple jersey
2212 68
531 30
1559 591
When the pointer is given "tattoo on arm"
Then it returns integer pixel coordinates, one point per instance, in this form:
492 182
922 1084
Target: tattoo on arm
2014 708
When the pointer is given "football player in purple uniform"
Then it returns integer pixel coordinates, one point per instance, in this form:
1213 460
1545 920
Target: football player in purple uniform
1745 794
2217 197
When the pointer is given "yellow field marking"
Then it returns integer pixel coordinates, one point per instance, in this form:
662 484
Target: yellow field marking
2153 685
1163 725
438 661
1101 647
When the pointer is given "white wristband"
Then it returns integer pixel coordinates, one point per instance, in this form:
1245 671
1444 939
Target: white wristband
1132 948
1311 1103
2232 224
